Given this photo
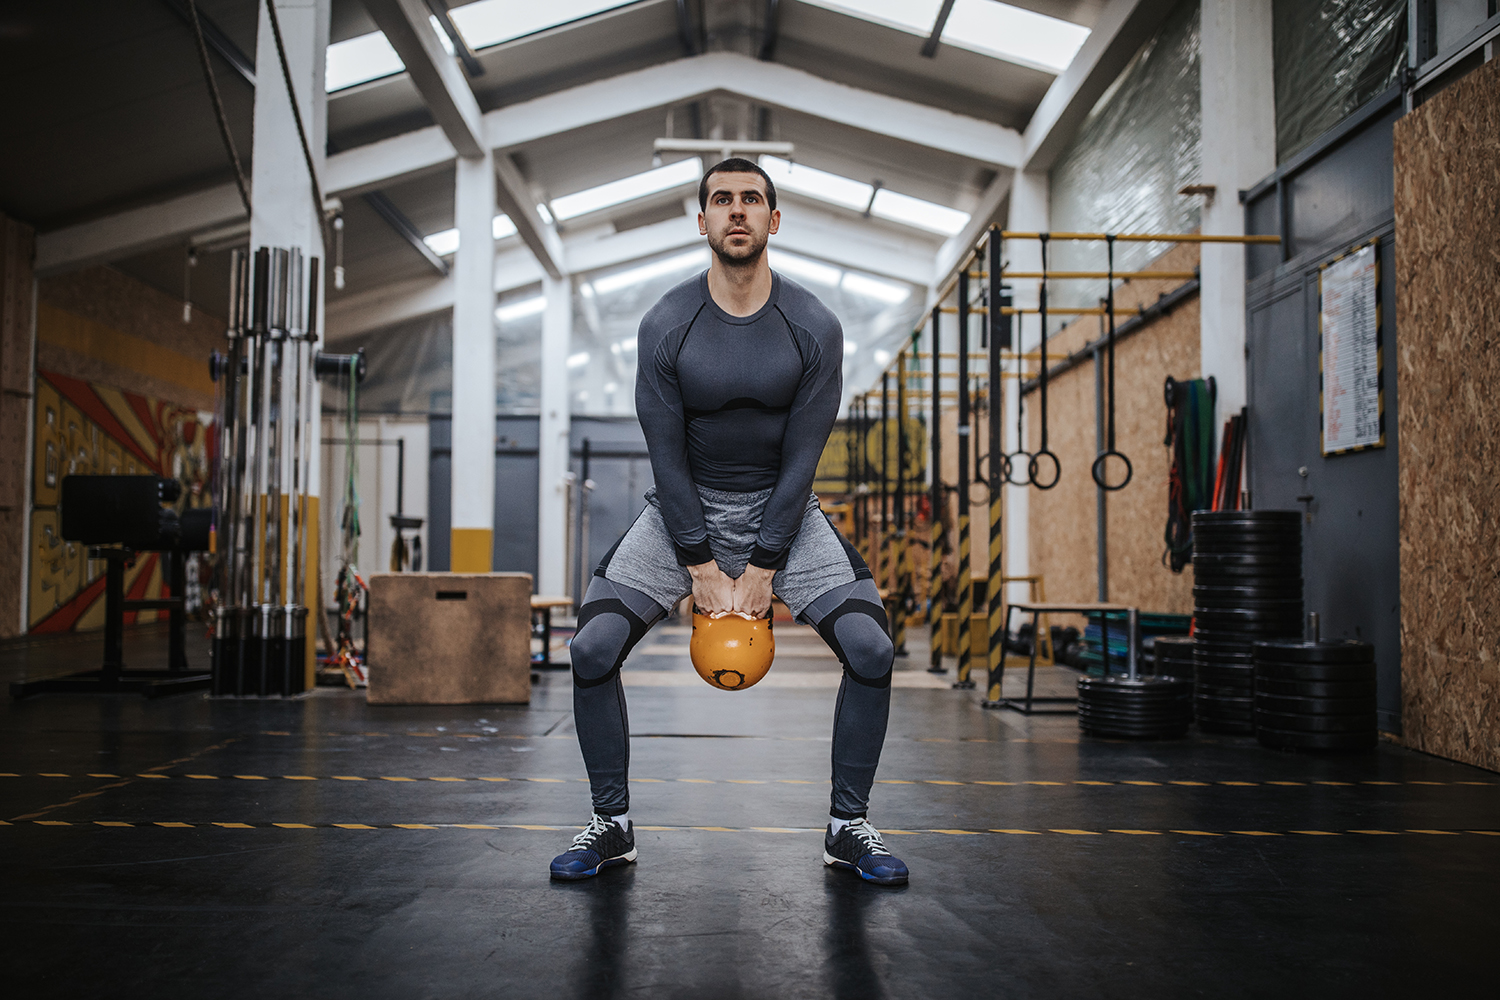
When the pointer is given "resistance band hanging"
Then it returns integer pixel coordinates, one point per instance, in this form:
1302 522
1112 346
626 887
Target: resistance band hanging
1033 467
1098 470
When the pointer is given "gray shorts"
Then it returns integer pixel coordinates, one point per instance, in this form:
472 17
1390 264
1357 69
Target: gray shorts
820 558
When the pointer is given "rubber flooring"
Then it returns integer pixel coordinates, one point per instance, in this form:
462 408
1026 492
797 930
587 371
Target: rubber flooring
323 847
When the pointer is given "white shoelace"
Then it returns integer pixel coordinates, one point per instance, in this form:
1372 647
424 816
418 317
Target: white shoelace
868 836
598 825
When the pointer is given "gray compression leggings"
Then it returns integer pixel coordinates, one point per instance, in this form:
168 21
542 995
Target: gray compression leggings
614 618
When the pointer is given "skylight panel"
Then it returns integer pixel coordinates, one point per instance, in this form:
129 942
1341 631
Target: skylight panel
502 227
911 211
873 288
360 60
442 243
490 22
656 269
814 183
570 206
983 26
512 311
803 269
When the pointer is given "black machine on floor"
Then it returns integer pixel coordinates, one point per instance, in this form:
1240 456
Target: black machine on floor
119 517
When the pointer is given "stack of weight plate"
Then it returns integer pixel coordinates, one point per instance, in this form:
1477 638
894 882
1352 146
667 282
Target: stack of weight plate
1174 656
1315 695
1147 708
1247 586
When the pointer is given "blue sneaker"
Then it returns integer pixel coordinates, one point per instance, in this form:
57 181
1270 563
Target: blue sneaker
859 848
602 844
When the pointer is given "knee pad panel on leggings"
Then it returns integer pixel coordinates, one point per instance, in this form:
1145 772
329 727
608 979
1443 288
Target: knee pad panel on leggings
607 630
857 632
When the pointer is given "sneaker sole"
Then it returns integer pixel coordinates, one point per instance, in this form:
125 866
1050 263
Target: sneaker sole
624 859
829 859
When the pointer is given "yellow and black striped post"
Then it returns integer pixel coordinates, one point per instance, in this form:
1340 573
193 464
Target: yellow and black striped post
965 574
883 568
935 602
901 577
1000 338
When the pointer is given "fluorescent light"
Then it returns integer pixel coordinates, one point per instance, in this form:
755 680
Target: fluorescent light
578 360
502 227
442 243
815 183
916 212
627 346
570 206
611 386
850 347
513 311
984 26
1021 36
490 22
882 357
803 269
359 60
656 269
874 288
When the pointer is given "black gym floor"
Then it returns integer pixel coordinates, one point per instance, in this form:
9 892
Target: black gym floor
321 847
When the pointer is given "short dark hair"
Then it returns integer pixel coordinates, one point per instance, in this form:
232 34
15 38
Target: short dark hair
735 165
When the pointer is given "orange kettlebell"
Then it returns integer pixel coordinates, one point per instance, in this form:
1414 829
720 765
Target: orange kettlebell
731 650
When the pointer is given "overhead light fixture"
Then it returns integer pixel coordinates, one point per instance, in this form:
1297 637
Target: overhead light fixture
359 60
814 183
442 243
903 208
490 22
882 357
645 272
578 360
873 288
724 148
512 311
803 269
850 347
593 199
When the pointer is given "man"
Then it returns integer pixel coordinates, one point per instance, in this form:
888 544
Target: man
738 386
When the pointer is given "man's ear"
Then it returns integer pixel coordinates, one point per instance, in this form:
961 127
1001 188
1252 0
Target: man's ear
703 225
775 221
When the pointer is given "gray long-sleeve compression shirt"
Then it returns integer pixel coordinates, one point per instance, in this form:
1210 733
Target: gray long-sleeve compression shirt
737 403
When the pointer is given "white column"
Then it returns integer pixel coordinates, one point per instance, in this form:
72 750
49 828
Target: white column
1030 212
1239 149
473 495
552 511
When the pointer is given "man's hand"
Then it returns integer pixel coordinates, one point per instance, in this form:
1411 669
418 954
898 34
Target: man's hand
713 590
752 591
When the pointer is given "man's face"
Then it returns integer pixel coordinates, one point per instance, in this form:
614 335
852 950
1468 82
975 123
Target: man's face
738 221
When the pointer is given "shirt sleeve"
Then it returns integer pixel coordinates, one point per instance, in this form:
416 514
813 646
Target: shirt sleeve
658 405
813 412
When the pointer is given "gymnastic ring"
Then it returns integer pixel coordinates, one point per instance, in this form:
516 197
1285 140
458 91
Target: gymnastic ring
983 484
1097 471
1033 465
1010 467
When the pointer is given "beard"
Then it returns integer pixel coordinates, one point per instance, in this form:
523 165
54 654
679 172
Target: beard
739 256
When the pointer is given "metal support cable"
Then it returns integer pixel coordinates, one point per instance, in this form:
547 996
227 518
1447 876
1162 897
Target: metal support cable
213 91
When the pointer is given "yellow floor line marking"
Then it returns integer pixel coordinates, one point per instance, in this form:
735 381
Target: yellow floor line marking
713 829
1377 833
1333 782
653 828
1485 833
994 782
1298 784
958 833
494 779
235 826
415 826
175 826
1426 782
1254 833
203 777
1140 782
446 779
1436 833
696 781
103 775
1380 782
745 781
1482 783
298 777
646 781
348 777
545 781
899 833
892 781
1097 782
8 774
1198 833
932 782
475 826
1200 784
1078 833
53 774
1029 833
251 777
163 777
796 781
1240 784
294 826
384 778
53 822
353 826
1045 782
779 829
1139 833
1314 833
111 822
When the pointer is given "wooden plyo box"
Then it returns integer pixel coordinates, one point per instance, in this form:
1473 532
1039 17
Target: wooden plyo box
450 638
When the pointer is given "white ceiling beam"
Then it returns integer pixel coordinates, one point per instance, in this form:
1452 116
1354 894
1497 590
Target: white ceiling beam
1122 27
136 230
434 73
513 197
388 161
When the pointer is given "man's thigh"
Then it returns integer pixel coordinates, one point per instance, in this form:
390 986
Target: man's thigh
646 560
820 560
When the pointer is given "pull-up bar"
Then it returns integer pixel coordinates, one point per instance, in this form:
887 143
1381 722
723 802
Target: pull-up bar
1080 275
1006 234
1020 311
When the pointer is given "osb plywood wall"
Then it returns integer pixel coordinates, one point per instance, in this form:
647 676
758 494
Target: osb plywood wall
1448 312
1062 520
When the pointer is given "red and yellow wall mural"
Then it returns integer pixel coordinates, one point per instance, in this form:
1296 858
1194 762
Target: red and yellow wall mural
85 428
